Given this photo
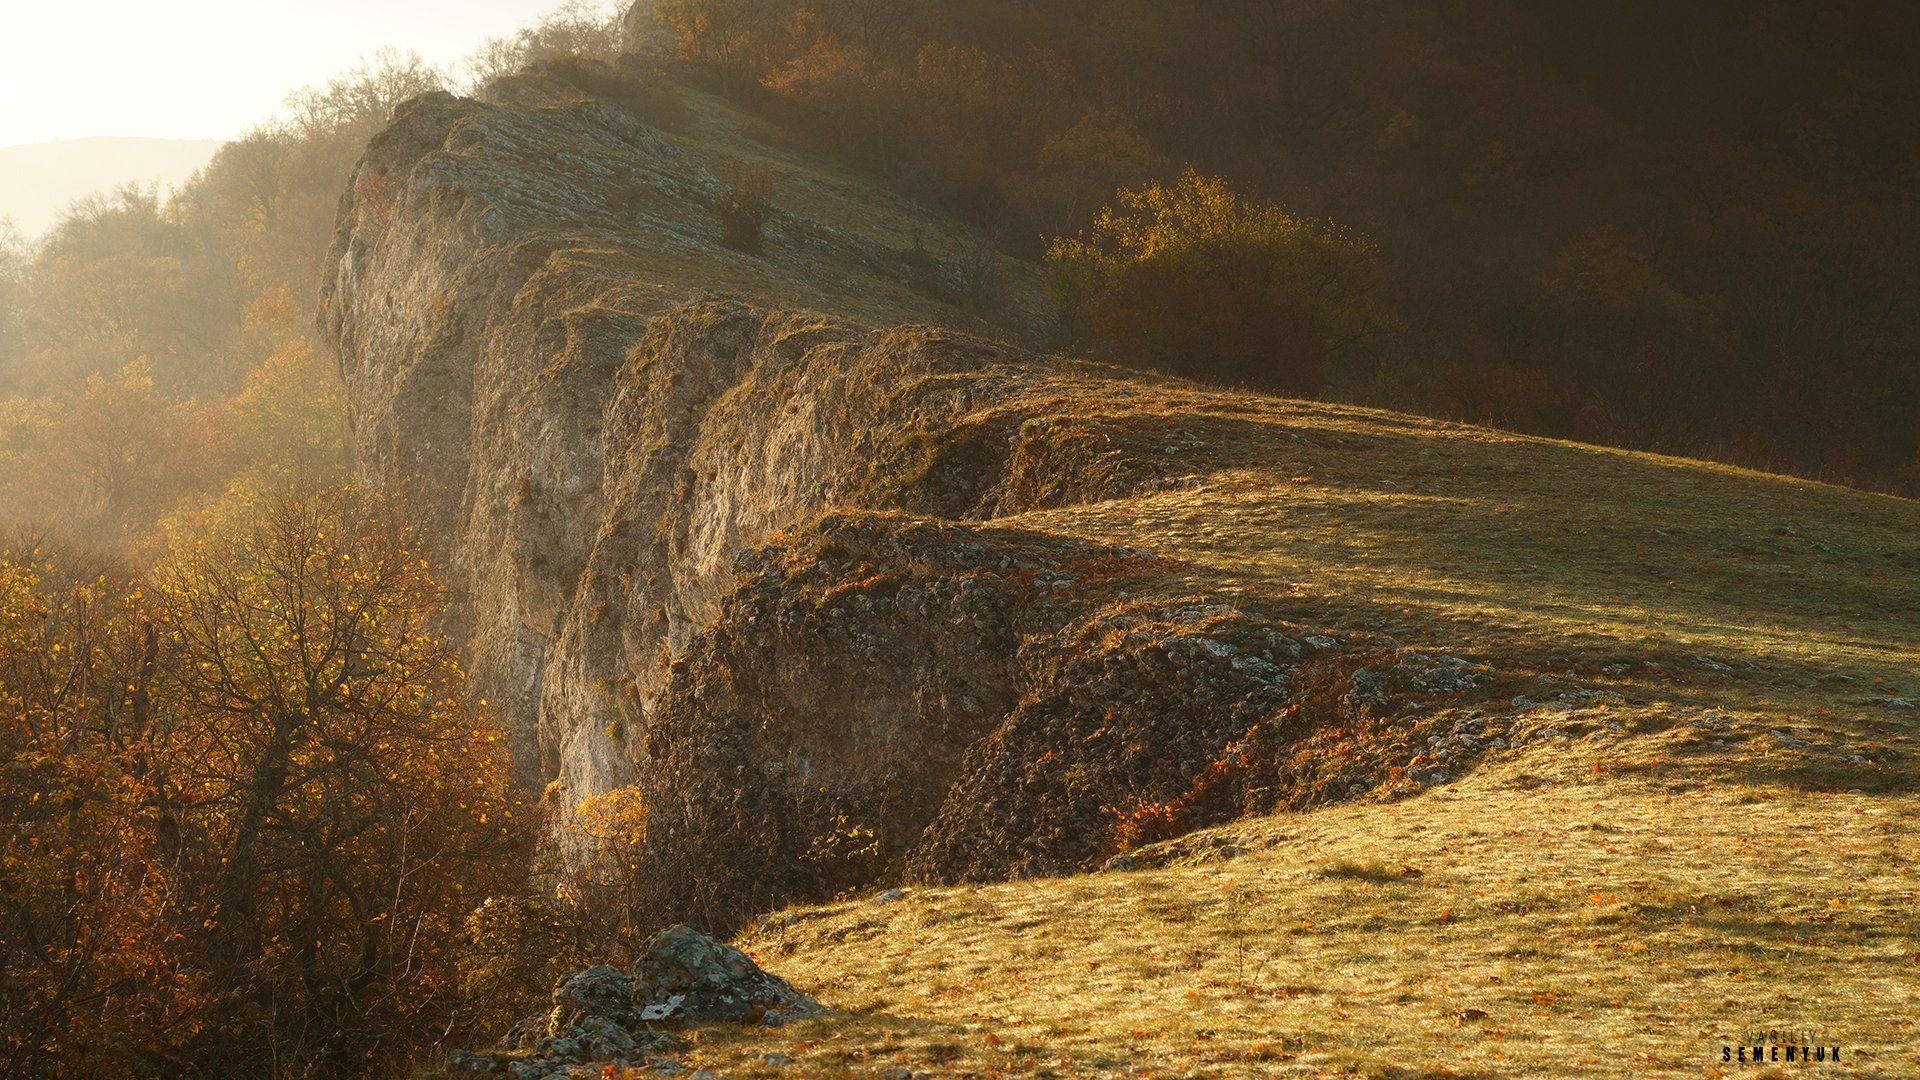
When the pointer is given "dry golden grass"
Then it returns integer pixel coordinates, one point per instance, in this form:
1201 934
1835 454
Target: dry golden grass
836 239
1710 853
1588 928
1473 538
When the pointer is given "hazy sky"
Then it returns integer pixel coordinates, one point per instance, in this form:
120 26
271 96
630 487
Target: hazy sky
208 69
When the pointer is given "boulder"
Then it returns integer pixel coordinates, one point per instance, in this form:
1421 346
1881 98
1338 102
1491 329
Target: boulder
601 992
688 977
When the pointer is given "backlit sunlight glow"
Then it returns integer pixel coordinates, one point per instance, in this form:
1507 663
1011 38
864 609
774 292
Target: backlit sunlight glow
212 70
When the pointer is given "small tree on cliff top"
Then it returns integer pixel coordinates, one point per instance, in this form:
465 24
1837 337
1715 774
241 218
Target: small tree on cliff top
1194 279
744 204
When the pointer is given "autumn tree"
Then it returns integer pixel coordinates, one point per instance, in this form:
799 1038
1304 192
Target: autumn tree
153 352
730 40
104 466
743 204
298 805
836 87
585 903
1627 336
288 422
350 802
13 287
1079 169
363 98
92 979
608 832
108 286
574 31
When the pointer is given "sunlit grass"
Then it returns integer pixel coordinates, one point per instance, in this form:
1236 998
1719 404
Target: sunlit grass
1620 899
1584 929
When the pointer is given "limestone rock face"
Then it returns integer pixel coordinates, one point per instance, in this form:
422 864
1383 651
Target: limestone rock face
773 566
499 293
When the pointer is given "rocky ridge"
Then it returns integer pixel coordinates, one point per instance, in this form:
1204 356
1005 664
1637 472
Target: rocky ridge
757 560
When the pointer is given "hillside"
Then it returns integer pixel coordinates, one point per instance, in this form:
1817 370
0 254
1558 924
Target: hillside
1518 756
38 180
1661 226
1663 855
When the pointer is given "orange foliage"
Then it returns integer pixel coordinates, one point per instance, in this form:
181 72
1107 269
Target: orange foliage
1195 279
244 807
1144 822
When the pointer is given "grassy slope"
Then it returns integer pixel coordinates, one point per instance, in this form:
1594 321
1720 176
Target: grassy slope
1617 899
835 242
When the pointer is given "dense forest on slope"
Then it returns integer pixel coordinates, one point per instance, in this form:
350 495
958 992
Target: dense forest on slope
1673 226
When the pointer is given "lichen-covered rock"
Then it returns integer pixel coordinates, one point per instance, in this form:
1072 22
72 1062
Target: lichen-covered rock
525 1033
466 1062
593 1019
688 977
598 992
605 1016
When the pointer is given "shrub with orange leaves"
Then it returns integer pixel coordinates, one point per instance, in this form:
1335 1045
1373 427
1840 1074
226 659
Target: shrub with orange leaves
1144 822
610 832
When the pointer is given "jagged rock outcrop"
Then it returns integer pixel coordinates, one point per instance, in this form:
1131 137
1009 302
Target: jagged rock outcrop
495 294
753 558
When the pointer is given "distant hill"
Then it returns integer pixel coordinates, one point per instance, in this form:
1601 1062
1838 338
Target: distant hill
38 180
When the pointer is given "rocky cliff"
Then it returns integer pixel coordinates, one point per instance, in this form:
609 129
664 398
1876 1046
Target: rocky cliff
763 561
